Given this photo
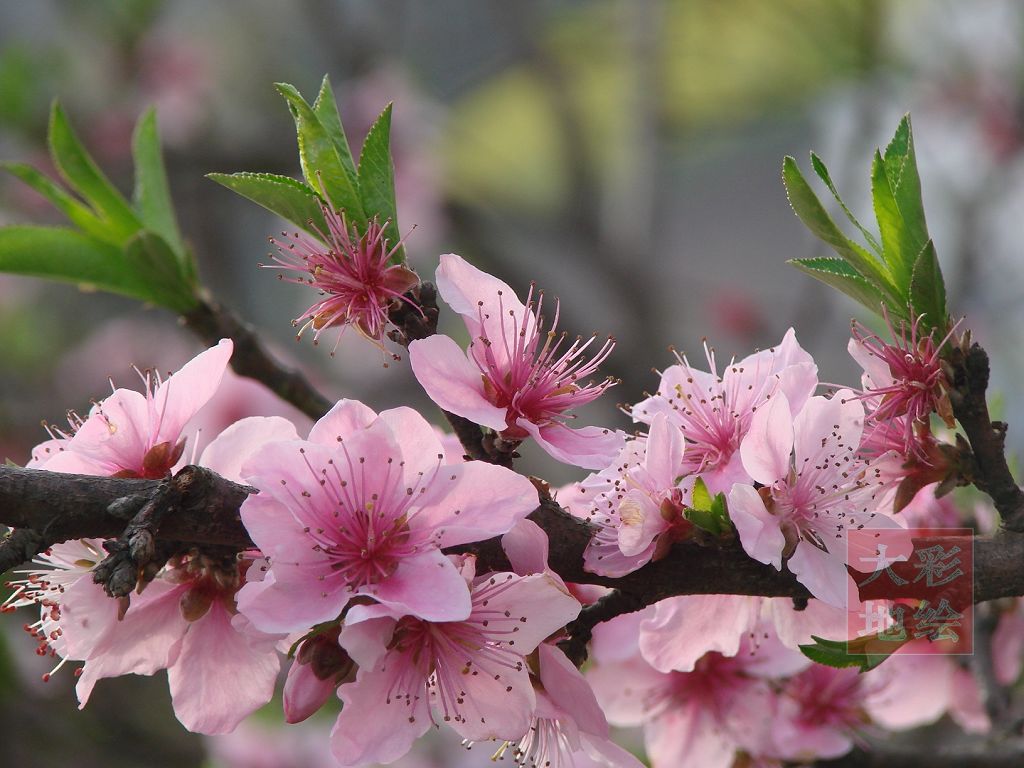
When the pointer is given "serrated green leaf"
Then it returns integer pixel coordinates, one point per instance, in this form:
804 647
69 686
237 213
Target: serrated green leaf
822 171
865 652
149 255
152 194
69 256
701 496
321 164
928 290
290 199
78 214
703 520
810 211
377 180
840 275
890 223
719 508
326 110
85 178
901 169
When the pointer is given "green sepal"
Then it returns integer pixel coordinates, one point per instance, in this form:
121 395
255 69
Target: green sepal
928 291
321 164
77 213
152 194
290 199
377 180
85 178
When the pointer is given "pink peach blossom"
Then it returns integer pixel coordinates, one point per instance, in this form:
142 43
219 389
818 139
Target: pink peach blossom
363 508
470 674
815 491
515 378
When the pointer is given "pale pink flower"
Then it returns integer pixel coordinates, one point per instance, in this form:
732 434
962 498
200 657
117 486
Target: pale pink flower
353 272
697 719
680 630
568 729
363 508
820 712
816 490
639 503
469 674
714 412
130 434
515 378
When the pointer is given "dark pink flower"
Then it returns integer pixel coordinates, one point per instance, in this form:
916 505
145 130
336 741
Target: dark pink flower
353 272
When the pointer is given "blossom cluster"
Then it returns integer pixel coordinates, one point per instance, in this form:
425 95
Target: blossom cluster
355 574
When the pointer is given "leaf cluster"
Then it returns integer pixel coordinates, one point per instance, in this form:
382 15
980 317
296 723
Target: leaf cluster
131 247
331 177
897 272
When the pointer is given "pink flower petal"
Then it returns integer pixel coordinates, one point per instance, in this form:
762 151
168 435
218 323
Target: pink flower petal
587 447
452 381
420 442
227 452
178 398
547 606
219 677
427 586
570 691
396 722
474 501
273 607
683 629
767 448
526 546
823 574
344 419
759 530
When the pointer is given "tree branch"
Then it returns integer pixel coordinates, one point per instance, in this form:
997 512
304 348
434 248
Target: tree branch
212 321
970 371
59 507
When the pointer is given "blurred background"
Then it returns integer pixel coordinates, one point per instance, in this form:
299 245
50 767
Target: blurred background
623 154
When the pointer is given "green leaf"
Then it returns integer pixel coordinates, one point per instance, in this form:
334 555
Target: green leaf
283 195
152 194
78 214
63 254
928 290
890 223
810 211
823 174
82 174
701 496
321 164
840 275
377 180
866 653
901 168
326 110
149 255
